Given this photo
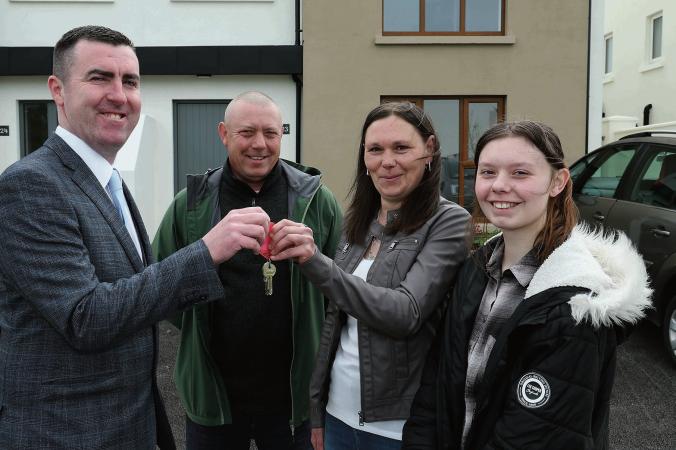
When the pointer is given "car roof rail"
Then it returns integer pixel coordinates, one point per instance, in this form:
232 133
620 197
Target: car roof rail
646 134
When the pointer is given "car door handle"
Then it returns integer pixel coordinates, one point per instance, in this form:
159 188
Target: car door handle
660 232
599 217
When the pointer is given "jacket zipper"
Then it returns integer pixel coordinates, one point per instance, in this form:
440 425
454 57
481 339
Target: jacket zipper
361 378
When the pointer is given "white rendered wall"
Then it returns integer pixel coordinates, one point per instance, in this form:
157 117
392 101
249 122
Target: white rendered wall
152 22
147 161
634 82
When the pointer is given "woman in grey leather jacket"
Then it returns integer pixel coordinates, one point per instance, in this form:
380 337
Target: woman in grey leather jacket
387 284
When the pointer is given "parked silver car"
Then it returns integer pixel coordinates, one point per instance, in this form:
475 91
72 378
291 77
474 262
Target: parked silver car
630 185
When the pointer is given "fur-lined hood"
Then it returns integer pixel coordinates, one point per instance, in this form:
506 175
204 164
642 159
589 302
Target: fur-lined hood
609 266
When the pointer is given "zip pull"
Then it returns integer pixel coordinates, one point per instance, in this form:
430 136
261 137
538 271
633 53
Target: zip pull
361 418
253 201
293 432
345 247
392 245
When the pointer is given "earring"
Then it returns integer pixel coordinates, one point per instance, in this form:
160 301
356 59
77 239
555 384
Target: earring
429 166
367 172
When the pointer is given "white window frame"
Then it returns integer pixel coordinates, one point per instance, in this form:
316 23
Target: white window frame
608 75
652 63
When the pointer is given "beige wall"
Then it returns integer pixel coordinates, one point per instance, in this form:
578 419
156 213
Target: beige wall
543 74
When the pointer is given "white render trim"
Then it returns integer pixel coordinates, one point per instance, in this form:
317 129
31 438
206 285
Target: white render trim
652 65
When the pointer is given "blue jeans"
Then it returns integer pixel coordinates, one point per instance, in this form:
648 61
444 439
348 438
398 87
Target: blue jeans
269 433
339 436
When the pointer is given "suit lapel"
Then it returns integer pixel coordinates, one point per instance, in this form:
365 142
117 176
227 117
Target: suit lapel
90 186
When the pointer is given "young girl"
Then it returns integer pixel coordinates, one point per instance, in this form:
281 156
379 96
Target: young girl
526 358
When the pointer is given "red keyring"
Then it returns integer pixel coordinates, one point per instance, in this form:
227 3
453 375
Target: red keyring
265 248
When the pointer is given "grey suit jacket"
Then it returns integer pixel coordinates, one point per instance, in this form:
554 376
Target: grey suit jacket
78 308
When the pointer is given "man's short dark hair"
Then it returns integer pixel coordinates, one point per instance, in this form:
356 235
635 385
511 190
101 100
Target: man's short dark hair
63 49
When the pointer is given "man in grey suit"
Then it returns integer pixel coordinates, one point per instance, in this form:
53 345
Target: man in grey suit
79 295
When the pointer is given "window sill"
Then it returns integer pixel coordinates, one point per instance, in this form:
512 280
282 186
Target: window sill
652 65
444 40
608 78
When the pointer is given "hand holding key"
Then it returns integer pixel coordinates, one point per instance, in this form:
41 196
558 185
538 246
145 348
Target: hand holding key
239 229
292 240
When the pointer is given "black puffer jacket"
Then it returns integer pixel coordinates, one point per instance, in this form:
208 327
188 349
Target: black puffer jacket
548 379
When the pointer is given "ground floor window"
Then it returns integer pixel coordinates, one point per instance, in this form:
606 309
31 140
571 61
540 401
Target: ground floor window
459 121
38 120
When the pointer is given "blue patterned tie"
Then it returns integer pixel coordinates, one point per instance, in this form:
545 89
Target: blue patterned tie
117 195
116 192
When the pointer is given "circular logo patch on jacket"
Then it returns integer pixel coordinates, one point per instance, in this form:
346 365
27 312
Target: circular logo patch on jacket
533 390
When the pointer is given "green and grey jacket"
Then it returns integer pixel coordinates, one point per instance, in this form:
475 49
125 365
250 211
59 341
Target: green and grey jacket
193 212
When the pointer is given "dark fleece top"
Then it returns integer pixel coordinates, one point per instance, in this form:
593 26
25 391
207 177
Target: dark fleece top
252 340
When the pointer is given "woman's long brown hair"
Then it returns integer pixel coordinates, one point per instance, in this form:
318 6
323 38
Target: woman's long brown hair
421 203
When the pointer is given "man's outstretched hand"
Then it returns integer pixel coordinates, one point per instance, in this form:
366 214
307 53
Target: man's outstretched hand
240 229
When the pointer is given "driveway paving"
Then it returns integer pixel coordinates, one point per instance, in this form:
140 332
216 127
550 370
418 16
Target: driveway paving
643 408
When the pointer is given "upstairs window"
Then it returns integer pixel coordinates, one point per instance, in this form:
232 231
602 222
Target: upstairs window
444 17
656 36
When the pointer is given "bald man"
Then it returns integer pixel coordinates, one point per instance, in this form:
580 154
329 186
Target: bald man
244 363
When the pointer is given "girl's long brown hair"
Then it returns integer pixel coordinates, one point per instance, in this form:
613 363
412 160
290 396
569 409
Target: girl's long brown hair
562 214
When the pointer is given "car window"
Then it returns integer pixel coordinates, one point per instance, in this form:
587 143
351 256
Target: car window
606 177
582 164
657 185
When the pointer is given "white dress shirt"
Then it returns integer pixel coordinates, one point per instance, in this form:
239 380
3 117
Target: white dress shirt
101 169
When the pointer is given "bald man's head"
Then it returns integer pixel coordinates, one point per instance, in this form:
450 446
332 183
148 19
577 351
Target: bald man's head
253 98
252 132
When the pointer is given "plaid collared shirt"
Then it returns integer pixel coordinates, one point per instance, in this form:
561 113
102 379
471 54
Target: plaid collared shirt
504 291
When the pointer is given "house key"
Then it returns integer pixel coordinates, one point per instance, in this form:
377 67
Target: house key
269 270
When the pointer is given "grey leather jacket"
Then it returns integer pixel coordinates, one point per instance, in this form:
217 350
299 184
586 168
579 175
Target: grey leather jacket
398 309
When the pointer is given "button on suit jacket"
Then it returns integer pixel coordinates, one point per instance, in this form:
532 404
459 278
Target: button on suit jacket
78 345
